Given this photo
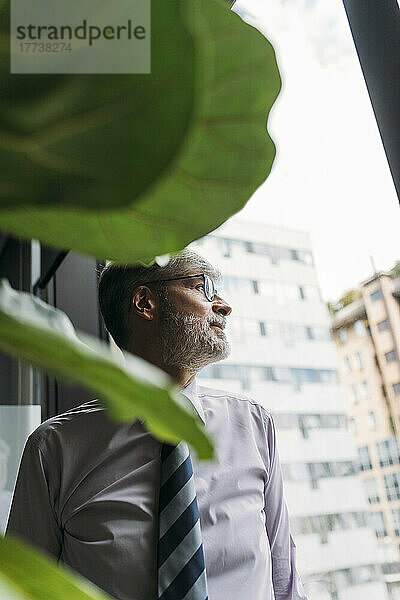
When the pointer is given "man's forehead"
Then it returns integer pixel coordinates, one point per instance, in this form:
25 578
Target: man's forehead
188 263
210 271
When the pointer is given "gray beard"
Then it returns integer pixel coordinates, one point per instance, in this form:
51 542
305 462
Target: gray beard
189 342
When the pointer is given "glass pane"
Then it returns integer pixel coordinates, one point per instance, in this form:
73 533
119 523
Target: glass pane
16 423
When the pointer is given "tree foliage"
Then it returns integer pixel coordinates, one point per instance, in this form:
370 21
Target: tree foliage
348 298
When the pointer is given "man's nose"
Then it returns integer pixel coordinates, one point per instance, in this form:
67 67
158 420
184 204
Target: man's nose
221 307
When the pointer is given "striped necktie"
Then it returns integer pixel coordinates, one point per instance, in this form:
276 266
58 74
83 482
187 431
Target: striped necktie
180 560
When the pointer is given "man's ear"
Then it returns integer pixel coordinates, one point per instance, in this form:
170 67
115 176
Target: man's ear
144 303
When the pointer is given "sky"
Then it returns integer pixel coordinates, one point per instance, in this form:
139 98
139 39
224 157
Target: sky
330 177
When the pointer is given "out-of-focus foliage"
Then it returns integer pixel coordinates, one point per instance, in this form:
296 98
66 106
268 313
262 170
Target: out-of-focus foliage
395 270
347 298
96 141
163 163
356 293
26 574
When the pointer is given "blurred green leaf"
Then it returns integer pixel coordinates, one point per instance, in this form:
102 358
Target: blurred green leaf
26 574
224 156
130 388
94 140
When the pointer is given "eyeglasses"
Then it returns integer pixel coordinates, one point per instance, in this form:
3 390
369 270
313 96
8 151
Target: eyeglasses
208 285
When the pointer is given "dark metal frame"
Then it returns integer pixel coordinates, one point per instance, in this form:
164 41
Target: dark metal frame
375 27
203 275
67 281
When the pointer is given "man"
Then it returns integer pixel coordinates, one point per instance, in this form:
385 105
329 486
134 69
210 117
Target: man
88 488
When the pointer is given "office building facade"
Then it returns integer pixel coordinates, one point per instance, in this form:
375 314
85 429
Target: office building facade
367 338
283 356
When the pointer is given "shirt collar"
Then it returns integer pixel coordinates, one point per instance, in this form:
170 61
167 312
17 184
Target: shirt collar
190 391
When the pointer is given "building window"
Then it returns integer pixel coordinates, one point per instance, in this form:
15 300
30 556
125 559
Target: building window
344 578
364 458
352 394
263 330
255 287
352 426
390 356
274 255
392 486
300 376
371 420
377 521
359 328
377 295
267 250
363 574
358 362
396 520
309 333
343 468
210 372
310 421
364 390
283 374
388 452
383 325
229 371
322 524
286 421
386 455
346 364
371 488
277 253
228 284
342 334
280 374
225 247
332 421
396 388
314 471
307 257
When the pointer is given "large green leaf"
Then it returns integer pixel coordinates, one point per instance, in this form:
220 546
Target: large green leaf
130 388
94 140
26 574
225 155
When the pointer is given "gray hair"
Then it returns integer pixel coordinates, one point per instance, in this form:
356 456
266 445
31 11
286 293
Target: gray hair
117 283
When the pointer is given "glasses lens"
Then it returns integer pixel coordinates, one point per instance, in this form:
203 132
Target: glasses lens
209 288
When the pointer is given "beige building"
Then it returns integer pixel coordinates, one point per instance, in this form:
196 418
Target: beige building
367 337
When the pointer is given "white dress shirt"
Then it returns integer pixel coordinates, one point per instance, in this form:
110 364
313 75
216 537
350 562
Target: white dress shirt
87 493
